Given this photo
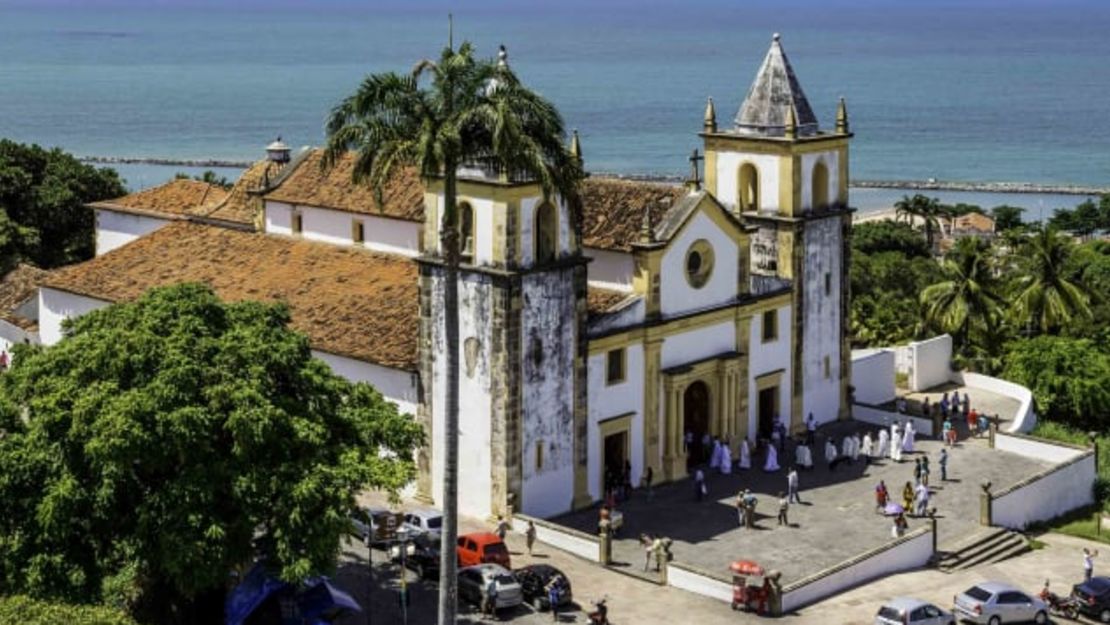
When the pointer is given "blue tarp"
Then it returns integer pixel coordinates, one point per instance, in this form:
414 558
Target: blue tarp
318 602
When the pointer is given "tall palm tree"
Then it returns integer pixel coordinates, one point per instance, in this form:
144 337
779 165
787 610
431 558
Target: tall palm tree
453 112
921 208
967 299
1047 299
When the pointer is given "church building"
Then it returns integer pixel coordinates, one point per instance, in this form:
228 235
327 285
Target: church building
623 330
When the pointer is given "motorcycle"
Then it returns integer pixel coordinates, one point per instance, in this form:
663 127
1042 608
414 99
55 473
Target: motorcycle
600 615
1058 605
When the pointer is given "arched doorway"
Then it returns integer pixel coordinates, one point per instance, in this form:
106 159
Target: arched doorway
695 411
820 186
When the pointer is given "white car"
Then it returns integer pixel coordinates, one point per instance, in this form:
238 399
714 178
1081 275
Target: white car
910 611
996 603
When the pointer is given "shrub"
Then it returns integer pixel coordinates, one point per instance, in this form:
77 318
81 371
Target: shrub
26 611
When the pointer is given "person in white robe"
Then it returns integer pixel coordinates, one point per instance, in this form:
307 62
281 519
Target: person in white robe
715 457
830 451
867 447
846 447
908 439
884 444
772 463
855 446
745 455
804 456
726 460
896 447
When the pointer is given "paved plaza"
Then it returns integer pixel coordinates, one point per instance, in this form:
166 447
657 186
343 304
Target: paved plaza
836 521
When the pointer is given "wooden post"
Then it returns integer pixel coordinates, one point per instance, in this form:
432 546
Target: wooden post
985 500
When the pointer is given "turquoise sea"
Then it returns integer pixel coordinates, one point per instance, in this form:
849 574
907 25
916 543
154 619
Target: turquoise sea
968 91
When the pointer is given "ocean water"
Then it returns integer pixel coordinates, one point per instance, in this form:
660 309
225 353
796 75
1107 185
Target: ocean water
968 91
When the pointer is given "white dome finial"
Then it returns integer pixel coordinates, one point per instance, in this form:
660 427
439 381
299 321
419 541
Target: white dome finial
775 37
502 56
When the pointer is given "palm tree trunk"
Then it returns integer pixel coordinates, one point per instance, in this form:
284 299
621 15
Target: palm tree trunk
448 579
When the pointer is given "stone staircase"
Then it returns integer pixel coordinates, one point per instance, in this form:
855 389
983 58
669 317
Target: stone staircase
989 546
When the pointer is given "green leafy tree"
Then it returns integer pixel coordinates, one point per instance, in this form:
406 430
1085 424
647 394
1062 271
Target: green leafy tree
1069 378
1007 217
454 112
885 289
166 442
966 300
1046 298
43 219
27 611
926 210
888 236
208 176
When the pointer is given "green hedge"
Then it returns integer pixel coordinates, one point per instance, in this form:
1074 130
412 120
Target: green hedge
26 611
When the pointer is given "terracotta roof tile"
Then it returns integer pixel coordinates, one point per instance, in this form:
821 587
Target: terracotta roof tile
403 196
613 210
178 197
18 286
350 302
600 301
240 205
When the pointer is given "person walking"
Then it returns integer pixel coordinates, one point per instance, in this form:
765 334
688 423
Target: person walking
700 489
648 545
1089 556
554 588
530 537
490 607
502 527
916 471
943 462
811 429
907 496
649 475
921 499
881 496
741 510
749 506
784 506
925 470
792 486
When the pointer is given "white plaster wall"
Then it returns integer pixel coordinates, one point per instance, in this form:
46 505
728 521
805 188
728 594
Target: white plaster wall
728 178
831 159
698 583
1036 449
1024 419
610 270
278 218
675 292
929 362
483 230
382 234
549 328
527 219
699 344
910 552
605 402
578 543
768 357
1064 489
883 419
11 334
395 385
57 306
116 229
821 318
873 375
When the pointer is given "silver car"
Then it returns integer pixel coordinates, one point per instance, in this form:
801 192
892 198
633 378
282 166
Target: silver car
995 603
910 611
428 522
473 581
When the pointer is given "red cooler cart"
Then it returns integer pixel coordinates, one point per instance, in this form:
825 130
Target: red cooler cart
751 590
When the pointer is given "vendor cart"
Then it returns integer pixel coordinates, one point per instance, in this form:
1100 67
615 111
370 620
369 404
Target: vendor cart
750 587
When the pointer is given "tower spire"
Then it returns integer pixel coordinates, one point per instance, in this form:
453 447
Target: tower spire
842 117
775 90
710 116
576 146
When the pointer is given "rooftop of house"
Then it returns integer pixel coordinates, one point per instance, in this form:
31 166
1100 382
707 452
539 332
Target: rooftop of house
601 300
613 210
17 287
174 199
350 302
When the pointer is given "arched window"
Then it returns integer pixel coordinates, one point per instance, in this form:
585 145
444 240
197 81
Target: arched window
749 188
820 186
466 229
546 229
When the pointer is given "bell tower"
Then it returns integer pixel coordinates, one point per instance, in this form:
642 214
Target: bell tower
522 351
778 170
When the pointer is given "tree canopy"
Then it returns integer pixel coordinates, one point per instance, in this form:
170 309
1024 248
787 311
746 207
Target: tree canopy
43 219
166 442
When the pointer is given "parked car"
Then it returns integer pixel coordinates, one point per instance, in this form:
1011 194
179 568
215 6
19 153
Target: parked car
376 526
481 548
474 579
534 579
421 556
428 522
995 603
1092 597
910 611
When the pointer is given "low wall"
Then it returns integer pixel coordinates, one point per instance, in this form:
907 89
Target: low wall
912 551
883 418
1038 448
873 375
690 579
570 540
931 362
1025 418
1046 495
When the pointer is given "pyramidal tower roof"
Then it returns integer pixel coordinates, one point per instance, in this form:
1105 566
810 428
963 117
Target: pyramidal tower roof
774 90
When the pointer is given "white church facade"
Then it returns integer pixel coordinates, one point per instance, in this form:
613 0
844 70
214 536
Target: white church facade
590 336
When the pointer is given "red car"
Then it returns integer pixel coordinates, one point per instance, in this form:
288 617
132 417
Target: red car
482 548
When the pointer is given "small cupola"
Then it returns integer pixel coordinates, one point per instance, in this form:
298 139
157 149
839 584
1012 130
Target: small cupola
278 152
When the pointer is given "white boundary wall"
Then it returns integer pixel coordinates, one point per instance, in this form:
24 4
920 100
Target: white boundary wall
931 362
1047 495
873 375
572 541
914 550
1036 448
698 582
883 418
1025 419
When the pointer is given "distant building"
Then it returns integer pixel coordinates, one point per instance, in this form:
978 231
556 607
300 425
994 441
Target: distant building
589 338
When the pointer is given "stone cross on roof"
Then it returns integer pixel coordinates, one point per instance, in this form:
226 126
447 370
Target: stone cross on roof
774 90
